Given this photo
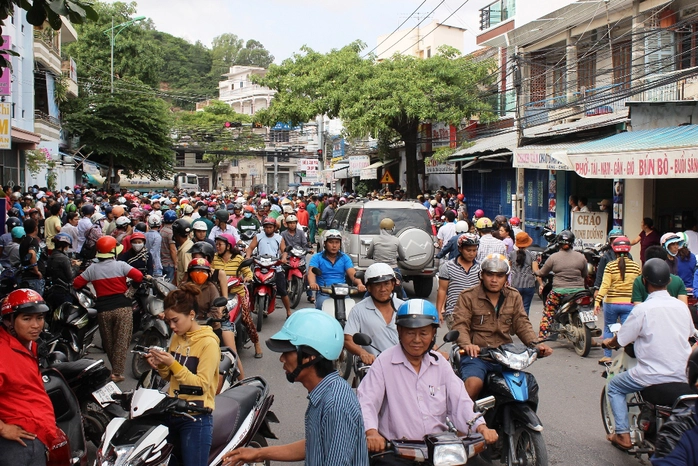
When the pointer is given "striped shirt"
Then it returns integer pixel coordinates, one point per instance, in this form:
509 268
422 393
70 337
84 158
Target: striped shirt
490 245
334 426
615 290
458 280
522 277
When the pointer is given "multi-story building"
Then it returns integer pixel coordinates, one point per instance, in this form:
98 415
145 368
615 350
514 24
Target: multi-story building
238 91
422 41
576 72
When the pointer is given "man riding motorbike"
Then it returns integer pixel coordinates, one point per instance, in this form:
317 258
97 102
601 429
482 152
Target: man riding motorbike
374 315
410 390
486 316
456 275
387 249
660 328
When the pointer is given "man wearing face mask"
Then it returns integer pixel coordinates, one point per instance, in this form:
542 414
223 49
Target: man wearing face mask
138 256
249 223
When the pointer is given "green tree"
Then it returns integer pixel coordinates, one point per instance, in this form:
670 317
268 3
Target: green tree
386 100
208 130
228 50
125 131
254 54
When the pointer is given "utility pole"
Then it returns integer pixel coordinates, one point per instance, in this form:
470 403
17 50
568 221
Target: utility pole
518 198
276 170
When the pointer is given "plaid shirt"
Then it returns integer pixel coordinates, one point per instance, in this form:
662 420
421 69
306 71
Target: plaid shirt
490 245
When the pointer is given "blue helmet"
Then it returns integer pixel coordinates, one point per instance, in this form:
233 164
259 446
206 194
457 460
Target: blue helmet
417 313
63 238
169 216
18 232
309 329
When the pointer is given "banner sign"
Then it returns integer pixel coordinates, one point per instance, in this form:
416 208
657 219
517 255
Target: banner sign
357 162
434 168
678 163
369 174
308 165
590 227
5 125
6 78
539 159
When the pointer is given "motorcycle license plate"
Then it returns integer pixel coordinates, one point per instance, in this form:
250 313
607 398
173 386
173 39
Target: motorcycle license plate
103 395
588 316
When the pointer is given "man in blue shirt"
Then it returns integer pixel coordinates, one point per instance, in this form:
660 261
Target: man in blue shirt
310 341
312 218
334 265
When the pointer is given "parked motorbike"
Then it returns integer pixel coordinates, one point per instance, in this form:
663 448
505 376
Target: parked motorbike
241 418
90 381
514 415
233 308
339 307
72 327
150 330
648 409
551 237
294 271
69 448
264 286
593 256
575 320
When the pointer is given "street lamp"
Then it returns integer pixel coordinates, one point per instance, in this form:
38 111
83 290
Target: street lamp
120 28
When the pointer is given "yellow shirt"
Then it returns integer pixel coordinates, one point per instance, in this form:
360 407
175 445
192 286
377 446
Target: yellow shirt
51 229
231 269
183 259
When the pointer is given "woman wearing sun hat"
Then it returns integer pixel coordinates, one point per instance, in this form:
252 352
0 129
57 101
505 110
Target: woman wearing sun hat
522 277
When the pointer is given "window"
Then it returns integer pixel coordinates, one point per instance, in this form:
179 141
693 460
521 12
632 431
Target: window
687 43
279 136
586 71
339 220
538 81
659 51
241 84
622 60
560 84
351 219
428 52
403 218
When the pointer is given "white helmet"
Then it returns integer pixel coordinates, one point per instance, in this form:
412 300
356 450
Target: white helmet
97 216
123 221
291 218
379 272
461 226
154 220
121 200
188 209
199 225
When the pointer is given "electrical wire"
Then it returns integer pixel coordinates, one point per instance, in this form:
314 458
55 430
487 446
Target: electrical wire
396 29
435 27
417 25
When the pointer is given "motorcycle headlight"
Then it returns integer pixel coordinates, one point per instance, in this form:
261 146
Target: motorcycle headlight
232 303
448 454
115 456
341 290
85 301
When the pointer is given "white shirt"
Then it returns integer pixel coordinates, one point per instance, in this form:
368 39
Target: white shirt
366 318
215 231
692 241
446 232
84 224
584 209
660 328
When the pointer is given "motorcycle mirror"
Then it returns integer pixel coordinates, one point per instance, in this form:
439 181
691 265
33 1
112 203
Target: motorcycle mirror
246 263
316 271
360 275
451 336
361 339
91 312
614 328
220 301
322 225
484 404
289 247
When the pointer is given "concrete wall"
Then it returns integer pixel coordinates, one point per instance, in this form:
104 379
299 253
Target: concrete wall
663 115
412 45
22 37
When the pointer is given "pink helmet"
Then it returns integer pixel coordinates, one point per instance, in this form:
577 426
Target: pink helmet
479 213
228 238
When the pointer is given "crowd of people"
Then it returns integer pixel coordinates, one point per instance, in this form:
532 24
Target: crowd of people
487 279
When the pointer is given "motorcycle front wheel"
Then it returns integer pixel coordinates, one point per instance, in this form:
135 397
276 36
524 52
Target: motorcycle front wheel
260 305
529 448
344 364
94 421
258 441
582 340
139 365
606 414
295 291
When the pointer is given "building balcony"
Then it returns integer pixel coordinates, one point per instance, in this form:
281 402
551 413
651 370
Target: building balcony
46 52
496 12
47 126
70 79
247 92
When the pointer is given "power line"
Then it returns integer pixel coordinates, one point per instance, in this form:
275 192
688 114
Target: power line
396 29
435 27
417 25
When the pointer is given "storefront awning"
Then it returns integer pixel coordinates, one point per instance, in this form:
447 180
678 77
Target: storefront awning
655 153
543 157
505 142
583 124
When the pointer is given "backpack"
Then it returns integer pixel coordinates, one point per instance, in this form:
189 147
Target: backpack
89 248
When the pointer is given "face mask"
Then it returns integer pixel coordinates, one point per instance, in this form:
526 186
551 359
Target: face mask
137 246
248 214
198 276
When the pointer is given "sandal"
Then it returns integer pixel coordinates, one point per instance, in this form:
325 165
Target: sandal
615 441
258 355
117 378
311 300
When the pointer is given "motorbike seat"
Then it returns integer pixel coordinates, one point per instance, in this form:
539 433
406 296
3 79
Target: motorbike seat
70 370
232 407
665 394
572 296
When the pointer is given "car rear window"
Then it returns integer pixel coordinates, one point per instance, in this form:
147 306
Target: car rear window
403 218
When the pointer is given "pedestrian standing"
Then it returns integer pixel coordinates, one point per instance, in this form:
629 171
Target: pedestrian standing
522 277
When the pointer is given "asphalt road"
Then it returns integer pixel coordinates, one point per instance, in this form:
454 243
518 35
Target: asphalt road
570 389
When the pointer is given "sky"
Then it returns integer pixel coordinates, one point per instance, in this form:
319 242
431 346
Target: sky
283 26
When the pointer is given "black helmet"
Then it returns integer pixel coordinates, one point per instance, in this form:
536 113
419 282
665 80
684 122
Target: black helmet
181 227
692 368
656 272
142 227
205 248
87 210
12 222
222 215
565 237
203 211
13 212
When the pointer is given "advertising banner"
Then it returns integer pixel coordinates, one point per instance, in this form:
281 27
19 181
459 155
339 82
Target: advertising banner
434 168
590 227
5 125
539 159
677 163
6 78
357 163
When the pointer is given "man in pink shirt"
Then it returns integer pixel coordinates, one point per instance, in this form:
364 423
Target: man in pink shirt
410 390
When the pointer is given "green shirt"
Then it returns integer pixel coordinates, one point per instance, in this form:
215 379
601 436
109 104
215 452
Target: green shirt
675 288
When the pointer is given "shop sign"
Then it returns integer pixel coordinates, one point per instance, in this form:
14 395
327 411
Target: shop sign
537 159
6 78
357 163
369 174
338 148
678 163
435 168
305 165
590 227
5 126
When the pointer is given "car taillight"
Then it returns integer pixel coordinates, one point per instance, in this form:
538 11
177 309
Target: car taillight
433 227
357 225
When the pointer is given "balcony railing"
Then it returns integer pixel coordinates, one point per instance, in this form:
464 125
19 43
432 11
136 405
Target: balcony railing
497 12
39 115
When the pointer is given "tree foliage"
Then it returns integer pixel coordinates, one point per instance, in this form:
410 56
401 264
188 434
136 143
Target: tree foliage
228 50
386 100
124 131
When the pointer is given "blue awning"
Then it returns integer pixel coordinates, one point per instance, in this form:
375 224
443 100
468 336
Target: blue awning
674 137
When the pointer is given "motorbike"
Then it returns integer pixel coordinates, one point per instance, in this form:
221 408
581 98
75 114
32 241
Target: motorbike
264 286
294 271
649 408
241 418
339 307
245 240
89 380
514 415
593 256
72 327
552 247
575 320
150 330
70 446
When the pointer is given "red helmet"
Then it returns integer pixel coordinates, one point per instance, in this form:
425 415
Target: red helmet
23 301
268 221
106 244
249 208
515 221
461 196
199 264
137 235
301 205
621 245
479 213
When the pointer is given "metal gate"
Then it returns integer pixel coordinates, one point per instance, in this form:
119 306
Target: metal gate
536 203
490 191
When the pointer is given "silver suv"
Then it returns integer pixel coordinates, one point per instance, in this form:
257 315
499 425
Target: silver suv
359 224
